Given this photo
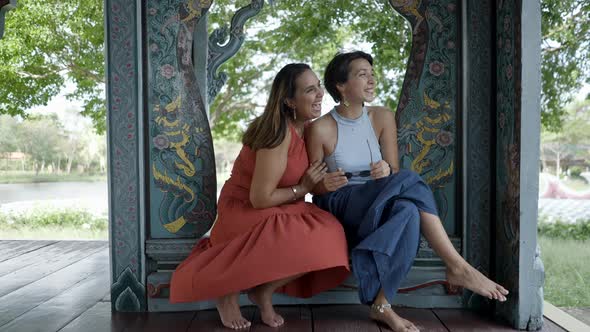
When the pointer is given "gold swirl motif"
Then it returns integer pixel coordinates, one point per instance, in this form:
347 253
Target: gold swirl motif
408 7
419 163
178 184
176 225
430 102
173 106
187 166
441 174
196 12
430 125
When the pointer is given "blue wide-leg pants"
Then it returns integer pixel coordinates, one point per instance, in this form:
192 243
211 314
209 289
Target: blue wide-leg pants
381 219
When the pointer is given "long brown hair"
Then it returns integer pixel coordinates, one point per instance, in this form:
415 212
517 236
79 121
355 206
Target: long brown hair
268 130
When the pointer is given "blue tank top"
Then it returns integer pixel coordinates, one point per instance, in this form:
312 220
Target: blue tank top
355 146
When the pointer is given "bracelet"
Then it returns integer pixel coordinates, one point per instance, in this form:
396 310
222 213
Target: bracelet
294 192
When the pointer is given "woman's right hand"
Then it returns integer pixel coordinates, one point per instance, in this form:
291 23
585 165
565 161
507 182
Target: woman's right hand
314 174
334 180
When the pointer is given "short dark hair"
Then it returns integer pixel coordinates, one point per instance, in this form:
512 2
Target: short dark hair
338 69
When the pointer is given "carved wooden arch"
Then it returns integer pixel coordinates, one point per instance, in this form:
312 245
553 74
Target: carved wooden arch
178 196
427 110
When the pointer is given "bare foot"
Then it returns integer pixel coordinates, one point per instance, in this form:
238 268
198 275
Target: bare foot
229 311
263 299
392 320
470 278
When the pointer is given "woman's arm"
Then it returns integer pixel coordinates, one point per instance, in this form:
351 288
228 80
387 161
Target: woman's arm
315 139
268 171
387 136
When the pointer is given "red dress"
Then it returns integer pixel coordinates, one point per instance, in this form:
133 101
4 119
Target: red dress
249 246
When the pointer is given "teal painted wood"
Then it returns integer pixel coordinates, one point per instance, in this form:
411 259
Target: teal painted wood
477 124
123 58
427 111
182 183
5 6
532 276
200 54
224 43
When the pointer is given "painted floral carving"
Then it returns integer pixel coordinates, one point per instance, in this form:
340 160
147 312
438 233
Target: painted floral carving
436 68
167 71
444 138
161 142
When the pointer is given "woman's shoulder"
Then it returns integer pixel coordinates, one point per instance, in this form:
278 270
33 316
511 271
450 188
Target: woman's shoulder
323 125
381 112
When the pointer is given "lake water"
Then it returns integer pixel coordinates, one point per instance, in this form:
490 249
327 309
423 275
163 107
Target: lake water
91 196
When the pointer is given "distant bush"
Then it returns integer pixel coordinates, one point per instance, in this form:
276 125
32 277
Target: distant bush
68 218
576 172
562 230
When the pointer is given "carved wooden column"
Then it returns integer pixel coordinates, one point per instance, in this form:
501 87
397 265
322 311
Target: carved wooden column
518 86
182 80
125 125
429 138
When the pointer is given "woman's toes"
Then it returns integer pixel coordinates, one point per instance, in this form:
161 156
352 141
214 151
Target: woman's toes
502 290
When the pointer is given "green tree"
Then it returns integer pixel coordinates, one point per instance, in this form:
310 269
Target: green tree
47 44
565 55
41 137
310 32
9 127
572 141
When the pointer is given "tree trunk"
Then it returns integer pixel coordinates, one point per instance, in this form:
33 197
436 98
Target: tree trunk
58 169
557 165
69 165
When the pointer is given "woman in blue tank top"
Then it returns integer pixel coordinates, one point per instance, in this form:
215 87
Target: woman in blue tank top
382 208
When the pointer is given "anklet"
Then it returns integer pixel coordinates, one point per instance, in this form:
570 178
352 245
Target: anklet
380 307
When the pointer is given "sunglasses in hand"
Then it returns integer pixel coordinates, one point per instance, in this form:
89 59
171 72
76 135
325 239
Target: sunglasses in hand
362 174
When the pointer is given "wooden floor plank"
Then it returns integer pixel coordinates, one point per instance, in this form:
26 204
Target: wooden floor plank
32 273
28 297
424 319
96 319
6 244
550 326
297 319
457 320
155 321
342 318
18 248
209 321
36 256
58 312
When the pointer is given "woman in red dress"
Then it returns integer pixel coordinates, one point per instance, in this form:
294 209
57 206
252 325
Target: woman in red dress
266 237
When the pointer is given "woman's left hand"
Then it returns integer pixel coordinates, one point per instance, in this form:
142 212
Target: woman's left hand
380 169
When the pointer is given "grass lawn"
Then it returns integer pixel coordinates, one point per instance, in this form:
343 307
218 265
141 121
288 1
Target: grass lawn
567 272
53 225
30 177
577 184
